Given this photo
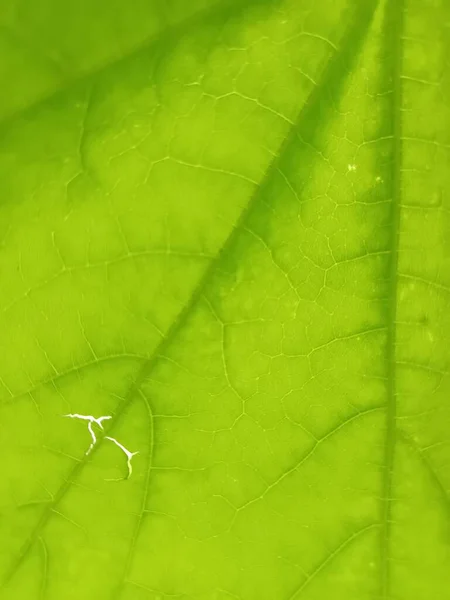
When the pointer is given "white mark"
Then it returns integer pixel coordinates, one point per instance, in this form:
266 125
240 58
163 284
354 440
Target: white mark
127 452
351 167
99 420
378 179
91 420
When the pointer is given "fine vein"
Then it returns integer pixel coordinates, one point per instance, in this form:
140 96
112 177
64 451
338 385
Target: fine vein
309 121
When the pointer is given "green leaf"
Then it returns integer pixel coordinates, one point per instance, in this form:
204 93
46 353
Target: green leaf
226 226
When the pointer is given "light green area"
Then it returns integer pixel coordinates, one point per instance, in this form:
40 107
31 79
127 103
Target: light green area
227 225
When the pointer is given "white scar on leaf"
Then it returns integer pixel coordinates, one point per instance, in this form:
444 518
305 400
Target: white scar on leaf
129 454
91 419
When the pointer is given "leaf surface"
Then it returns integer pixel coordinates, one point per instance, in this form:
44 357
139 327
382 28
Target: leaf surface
225 225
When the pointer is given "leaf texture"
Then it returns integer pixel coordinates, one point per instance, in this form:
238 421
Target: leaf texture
225 225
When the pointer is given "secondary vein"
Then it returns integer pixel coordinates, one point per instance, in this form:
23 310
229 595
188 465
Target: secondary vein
394 24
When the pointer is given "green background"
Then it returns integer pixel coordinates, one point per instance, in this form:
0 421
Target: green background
227 224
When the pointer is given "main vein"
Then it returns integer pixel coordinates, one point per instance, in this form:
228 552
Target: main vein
394 23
